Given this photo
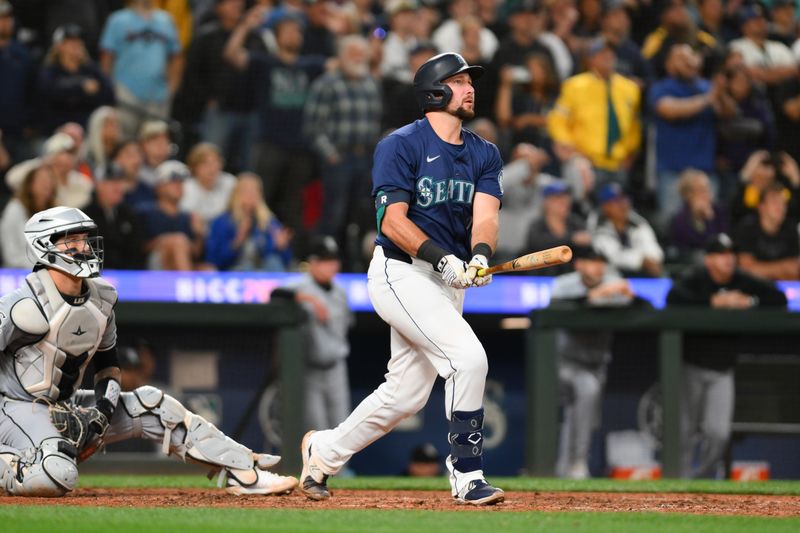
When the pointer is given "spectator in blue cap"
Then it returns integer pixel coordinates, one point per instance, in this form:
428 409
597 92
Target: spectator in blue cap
558 225
623 236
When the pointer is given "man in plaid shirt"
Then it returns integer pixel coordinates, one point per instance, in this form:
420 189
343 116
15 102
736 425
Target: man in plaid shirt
342 120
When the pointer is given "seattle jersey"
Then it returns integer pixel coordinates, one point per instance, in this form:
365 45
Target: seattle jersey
437 180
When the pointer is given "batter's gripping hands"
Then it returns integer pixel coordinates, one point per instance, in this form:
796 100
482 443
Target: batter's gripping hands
477 263
454 271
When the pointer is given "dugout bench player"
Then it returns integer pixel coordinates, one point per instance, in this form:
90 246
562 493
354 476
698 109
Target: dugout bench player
709 359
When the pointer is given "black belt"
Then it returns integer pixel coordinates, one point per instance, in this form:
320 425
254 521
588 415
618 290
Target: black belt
396 254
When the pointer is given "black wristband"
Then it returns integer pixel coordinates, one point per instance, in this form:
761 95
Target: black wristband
429 251
482 249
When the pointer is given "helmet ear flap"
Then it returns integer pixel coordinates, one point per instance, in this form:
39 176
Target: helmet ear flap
448 94
437 98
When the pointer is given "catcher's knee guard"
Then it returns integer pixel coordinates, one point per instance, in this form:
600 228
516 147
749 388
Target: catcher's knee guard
203 442
48 470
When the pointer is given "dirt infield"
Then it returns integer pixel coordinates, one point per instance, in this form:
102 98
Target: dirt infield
716 504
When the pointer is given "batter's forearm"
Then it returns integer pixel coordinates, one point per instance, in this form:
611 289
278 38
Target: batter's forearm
485 220
486 233
408 236
404 234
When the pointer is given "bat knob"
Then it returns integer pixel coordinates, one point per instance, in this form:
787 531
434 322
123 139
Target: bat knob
481 272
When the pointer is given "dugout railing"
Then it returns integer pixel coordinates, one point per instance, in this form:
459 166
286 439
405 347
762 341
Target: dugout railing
669 325
281 321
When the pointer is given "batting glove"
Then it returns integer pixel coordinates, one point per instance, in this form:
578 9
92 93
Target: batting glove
454 271
477 263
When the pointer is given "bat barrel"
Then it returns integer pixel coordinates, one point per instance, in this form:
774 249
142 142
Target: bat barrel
541 259
564 254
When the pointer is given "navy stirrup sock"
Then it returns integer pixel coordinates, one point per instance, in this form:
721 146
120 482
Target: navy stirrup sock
466 440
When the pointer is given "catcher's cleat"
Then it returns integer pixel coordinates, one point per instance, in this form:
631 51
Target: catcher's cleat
313 481
479 492
258 481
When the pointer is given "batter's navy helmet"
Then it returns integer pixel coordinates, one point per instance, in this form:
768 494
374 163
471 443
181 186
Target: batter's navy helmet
431 92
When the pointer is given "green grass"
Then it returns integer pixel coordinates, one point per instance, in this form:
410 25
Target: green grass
509 484
121 520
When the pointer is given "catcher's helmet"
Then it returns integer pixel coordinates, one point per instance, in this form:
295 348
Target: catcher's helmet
81 257
431 93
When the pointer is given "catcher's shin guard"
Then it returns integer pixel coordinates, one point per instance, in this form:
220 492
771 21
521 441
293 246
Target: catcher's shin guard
202 441
48 471
197 440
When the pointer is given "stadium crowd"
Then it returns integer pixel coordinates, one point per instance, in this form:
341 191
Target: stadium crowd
225 134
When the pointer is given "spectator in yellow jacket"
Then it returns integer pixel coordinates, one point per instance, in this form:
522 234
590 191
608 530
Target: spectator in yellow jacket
181 13
597 116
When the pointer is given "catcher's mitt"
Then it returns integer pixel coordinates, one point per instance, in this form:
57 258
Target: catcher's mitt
81 426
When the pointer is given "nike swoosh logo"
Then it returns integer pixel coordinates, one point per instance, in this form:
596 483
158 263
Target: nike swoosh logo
429 158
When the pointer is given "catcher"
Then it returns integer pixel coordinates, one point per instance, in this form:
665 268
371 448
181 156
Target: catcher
55 328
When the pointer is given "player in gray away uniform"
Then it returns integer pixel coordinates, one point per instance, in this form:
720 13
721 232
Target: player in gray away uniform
327 392
51 329
437 190
709 360
583 357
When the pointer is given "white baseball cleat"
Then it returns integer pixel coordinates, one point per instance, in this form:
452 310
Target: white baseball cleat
258 481
313 481
472 488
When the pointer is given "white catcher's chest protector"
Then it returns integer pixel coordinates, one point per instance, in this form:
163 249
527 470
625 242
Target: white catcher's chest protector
47 368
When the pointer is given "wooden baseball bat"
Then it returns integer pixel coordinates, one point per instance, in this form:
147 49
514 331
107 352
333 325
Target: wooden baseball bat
541 259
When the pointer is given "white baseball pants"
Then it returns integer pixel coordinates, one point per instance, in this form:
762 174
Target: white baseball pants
429 338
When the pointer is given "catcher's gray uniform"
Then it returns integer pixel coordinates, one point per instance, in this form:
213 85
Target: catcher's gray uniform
327 392
47 343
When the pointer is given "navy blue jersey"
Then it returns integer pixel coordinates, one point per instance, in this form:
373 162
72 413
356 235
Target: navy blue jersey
437 180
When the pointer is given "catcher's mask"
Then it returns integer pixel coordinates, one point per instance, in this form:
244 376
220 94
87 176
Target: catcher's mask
65 238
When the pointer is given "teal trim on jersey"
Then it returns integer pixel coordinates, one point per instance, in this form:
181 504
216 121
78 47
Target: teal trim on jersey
380 212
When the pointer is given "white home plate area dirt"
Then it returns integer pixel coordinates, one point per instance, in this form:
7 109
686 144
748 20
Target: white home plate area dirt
714 504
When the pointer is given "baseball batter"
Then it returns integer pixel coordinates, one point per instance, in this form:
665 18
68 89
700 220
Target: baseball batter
437 190
52 330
